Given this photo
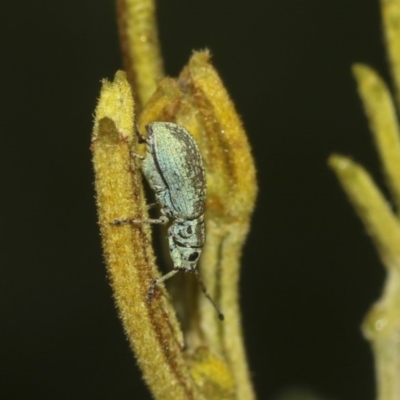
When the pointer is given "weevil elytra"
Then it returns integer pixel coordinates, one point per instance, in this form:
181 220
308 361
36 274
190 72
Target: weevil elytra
174 169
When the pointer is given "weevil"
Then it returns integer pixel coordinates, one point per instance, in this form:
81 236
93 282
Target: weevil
174 169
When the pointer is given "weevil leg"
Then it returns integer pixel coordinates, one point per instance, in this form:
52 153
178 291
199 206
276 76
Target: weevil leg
141 158
204 290
162 221
157 281
151 205
142 139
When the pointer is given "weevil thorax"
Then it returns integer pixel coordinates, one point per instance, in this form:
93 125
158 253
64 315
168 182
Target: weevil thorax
186 241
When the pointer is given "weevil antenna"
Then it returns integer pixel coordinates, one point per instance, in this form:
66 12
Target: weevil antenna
142 139
204 290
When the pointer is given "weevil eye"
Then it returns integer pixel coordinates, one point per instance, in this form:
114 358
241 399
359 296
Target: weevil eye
186 232
193 257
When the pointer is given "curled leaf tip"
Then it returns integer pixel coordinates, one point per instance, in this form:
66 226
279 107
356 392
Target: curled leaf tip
114 97
339 162
360 69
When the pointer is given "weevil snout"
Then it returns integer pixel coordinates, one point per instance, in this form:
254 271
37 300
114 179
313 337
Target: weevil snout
186 240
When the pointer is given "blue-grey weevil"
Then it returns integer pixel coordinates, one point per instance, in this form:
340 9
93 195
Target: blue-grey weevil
174 169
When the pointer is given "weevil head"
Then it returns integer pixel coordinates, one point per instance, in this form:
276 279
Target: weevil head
186 240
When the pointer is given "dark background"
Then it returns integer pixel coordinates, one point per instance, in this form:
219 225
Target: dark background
310 272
